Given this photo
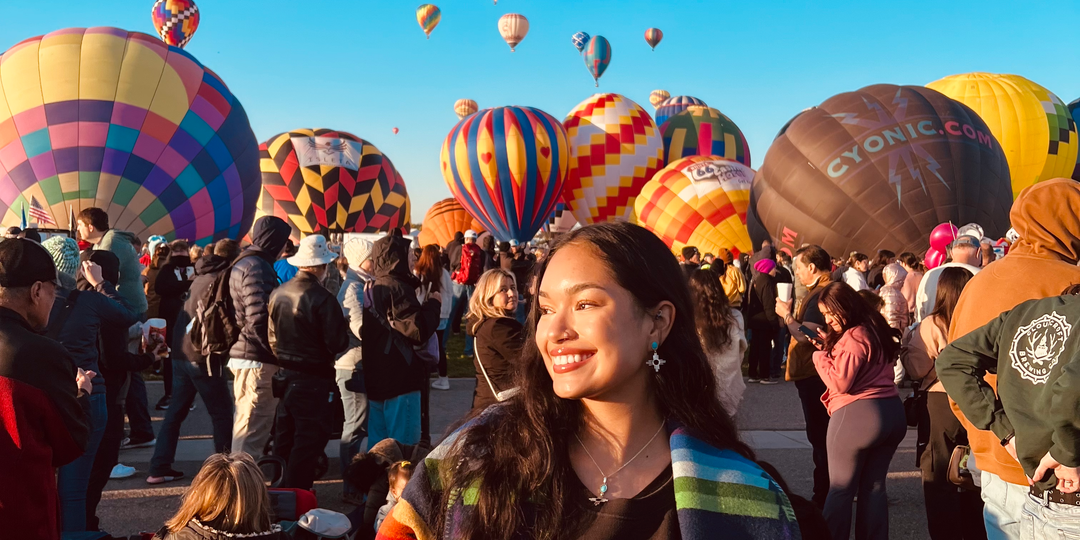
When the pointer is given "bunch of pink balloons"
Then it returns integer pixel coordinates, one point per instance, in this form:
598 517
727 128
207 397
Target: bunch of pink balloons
940 238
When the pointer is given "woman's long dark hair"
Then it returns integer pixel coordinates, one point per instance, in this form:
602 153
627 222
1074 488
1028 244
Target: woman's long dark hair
951 283
429 267
712 311
525 458
846 304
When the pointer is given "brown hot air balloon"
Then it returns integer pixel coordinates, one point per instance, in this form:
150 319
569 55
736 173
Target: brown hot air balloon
879 168
443 219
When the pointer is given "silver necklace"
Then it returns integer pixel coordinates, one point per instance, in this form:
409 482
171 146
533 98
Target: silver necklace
599 499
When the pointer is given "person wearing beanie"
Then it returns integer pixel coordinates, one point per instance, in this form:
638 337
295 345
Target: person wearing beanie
350 376
762 321
65 254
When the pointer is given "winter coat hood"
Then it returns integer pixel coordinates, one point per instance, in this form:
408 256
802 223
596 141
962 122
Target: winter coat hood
1037 216
269 235
894 275
210 264
390 258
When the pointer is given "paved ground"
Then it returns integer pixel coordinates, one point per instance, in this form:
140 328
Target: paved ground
770 420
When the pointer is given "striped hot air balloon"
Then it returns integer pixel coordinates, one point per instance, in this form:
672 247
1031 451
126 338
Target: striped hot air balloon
445 218
703 131
428 15
507 166
464 107
653 37
657 97
597 56
673 106
513 27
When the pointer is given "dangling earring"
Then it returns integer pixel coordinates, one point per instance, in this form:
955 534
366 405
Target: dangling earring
655 362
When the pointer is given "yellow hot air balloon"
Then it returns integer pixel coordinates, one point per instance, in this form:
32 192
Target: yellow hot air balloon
657 97
1032 125
698 201
464 107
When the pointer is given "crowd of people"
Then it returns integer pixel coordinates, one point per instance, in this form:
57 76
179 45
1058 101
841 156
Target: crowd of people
608 376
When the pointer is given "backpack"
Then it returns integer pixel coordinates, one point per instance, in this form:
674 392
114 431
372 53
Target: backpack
472 265
214 329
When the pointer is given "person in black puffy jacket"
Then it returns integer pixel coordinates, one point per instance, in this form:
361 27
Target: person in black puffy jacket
251 281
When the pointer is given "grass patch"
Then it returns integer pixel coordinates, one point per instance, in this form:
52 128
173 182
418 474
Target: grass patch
457 364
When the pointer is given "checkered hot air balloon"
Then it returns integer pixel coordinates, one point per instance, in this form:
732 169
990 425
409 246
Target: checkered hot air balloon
561 220
698 201
614 149
324 181
579 40
507 166
445 218
122 121
703 131
675 105
428 16
175 21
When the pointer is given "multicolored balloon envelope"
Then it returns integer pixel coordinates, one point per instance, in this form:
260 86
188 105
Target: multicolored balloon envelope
698 201
597 56
579 39
175 21
1074 108
507 166
614 149
1032 125
321 180
445 218
428 17
653 37
703 131
561 220
121 121
879 168
656 97
675 105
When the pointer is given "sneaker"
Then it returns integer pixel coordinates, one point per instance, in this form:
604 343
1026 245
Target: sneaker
129 443
770 381
121 471
753 380
442 383
169 476
192 407
163 404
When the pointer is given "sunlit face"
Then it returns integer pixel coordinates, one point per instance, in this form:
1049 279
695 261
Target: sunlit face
506 297
593 335
832 320
805 273
399 485
861 265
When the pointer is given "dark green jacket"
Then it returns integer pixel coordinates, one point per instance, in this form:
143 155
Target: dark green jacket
1034 352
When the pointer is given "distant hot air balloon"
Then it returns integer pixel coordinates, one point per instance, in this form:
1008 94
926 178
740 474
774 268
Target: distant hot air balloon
321 180
614 149
673 106
395 130
513 28
657 97
445 218
653 37
1074 108
698 201
464 107
506 166
879 168
702 131
128 124
579 40
1032 125
175 21
597 56
428 15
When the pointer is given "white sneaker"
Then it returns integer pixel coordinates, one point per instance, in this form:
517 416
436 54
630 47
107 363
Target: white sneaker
121 471
442 383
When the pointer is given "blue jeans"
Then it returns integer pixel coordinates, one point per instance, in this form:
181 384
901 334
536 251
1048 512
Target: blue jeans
189 379
1003 509
396 418
74 478
779 352
138 412
461 296
353 432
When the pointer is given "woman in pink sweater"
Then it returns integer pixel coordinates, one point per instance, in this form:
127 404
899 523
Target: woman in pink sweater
855 360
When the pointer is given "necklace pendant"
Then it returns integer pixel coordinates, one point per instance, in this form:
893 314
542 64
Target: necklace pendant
598 500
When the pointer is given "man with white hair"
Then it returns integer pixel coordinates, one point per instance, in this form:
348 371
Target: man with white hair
965 252
350 371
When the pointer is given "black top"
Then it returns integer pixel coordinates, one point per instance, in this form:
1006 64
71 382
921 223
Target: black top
648 516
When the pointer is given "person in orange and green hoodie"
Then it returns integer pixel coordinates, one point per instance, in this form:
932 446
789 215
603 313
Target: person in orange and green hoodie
1040 264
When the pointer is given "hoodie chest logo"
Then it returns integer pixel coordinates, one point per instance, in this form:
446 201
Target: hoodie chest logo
1036 347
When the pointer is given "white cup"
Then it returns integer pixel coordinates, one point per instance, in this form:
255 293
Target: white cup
156 327
783 291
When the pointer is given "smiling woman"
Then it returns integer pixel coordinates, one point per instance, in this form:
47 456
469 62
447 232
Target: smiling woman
611 360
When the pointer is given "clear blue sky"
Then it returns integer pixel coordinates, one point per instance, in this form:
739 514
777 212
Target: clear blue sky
364 66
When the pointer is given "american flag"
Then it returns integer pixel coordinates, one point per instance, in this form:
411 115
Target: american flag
39 214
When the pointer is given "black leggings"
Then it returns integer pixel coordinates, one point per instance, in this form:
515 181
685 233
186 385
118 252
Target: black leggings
863 437
761 340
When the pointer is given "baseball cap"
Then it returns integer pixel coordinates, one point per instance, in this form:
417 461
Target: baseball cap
514 243
24 262
470 234
967 240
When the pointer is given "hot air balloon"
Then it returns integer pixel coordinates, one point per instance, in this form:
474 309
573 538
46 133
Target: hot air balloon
656 97
324 181
653 37
1074 108
614 149
507 166
698 201
175 21
464 107
513 28
1032 125
597 56
879 168
673 106
702 131
445 218
428 15
121 121
579 40
395 131
561 220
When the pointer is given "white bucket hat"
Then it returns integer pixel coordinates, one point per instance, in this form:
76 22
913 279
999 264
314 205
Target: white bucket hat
313 251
